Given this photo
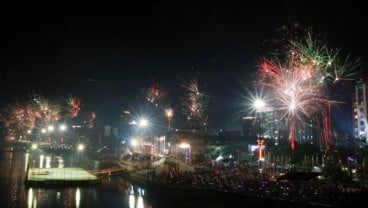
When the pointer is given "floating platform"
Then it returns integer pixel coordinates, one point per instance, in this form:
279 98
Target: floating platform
70 176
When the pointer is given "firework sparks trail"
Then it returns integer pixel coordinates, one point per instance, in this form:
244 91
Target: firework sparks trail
295 86
28 115
91 118
195 104
74 106
45 111
155 93
35 113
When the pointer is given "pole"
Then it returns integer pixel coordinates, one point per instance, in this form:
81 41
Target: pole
260 154
164 144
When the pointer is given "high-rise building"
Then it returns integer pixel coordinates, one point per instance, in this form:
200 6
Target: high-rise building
360 106
268 125
263 125
249 129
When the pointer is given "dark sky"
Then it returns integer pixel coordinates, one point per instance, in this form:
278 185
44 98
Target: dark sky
107 53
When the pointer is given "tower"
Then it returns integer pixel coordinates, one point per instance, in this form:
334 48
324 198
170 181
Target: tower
360 115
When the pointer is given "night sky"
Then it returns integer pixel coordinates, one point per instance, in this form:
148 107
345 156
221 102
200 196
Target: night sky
107 55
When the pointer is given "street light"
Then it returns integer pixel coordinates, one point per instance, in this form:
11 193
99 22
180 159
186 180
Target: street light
62 127
169 114
30 156
80 147
143 122
34 146
134 142
259 105
50 128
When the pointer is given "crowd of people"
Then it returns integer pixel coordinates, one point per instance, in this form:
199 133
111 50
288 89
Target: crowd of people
247 180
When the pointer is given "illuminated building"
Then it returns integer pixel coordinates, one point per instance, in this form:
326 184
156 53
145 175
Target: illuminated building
268 126
360 107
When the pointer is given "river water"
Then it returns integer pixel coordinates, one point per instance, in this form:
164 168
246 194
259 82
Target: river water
112 192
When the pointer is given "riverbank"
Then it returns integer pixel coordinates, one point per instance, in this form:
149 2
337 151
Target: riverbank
256 197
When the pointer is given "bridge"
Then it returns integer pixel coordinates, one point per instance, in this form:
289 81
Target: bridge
109 171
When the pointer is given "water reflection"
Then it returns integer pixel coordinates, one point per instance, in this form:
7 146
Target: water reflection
60 162
112 192
136 197
77 198
31 199
26 159
48 162
41 161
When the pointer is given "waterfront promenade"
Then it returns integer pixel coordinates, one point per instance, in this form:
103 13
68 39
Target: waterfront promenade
239 182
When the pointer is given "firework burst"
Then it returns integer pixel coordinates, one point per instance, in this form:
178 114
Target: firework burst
155 93
32 114
195 104
295 85
90 119
36 112
74 104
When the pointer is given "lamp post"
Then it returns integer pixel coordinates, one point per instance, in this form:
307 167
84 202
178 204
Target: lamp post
43 133
62 128
134 144
259 106
187 150
80 149
34 147
29 157
169 114
143 124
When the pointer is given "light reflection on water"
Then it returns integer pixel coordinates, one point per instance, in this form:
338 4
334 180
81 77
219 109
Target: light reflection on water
136 197
112 192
